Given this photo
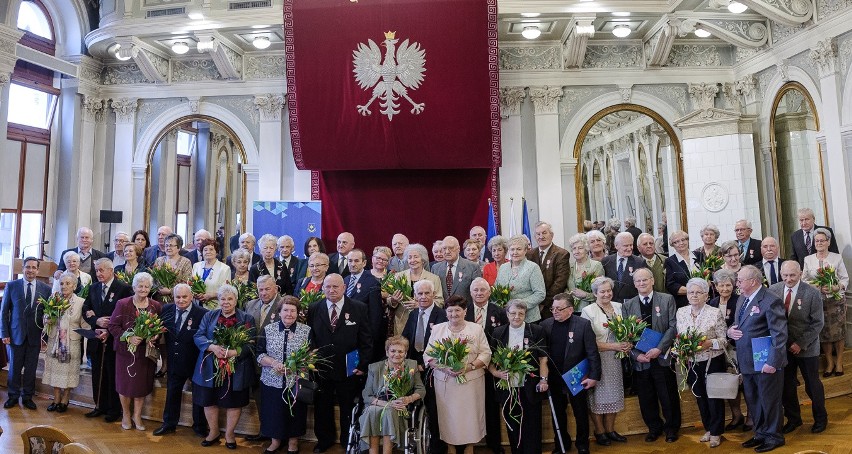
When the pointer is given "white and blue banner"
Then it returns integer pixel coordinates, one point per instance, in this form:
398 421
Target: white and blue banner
300 220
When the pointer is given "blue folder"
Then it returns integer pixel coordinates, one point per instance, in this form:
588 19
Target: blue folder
575 376
649 339
352 360
760 350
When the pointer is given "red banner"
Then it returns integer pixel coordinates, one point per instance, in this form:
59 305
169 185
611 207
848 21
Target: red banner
393 84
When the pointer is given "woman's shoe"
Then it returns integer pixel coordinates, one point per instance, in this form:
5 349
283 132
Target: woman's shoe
735 423
52 407
615 436
270 451
212 442
61 408
139 425
127 426
715 441
231 444
828 373
838 373
602 440
705 438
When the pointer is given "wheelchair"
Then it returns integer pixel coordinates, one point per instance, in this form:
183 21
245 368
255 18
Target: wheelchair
417 435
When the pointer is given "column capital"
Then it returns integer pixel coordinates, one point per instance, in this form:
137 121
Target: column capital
269 106
93 108
125 109
823 57
703 95
746 87
545 99
511 99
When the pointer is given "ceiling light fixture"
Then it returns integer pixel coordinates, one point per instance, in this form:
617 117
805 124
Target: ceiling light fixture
261 42
736 7
622 31
530 14
621 14
116 51
701 33
195 16
531 32
180 47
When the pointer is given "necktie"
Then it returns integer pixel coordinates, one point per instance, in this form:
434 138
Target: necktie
449 278
647 300
541 255
742 311
264 311
104 290
350 289
420 335
341 264
179 322
808 241
479 312
774 277
333 317
29 294
787 300
620 272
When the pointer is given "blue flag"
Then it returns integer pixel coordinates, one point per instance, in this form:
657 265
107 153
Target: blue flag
525 222
491 231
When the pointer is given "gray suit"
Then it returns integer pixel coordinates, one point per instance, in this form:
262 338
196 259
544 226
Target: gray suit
804 323
463 275
253 307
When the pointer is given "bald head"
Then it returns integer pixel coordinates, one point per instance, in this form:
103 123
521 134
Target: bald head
345 243
791 273
769 248
332 286
451 248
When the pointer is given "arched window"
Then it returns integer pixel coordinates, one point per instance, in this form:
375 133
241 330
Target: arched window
35 22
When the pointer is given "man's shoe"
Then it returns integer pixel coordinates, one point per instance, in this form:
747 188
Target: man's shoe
819 427
766 447
94 413
791 426
322 447
651 437
671 438
752 442
201 431
163 430
28 403
11 403
257 437
112 418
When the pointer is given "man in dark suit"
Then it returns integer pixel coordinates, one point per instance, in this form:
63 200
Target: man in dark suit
340 326
478 233
362 286
97 310
456 273
291 263
620 267
88 255
803 239
247 242
630 227
154 251
554 264
20 328
398 244
803 305
198 240
771 263
181 319
337 261
760 314
571 341
749 247
417 330
654 381
119 240
490 316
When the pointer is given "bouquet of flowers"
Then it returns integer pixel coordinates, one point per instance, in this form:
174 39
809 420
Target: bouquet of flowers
164 275
197 285
126 276
246 291
54 306
714 262
384 281
230 335
396 281
84 291
450 353
146 325
705 269
305 301
826 276
626 329
501 294
398 382
299 364
684 347
584 284
515 361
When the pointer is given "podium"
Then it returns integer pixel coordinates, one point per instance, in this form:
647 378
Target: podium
45 270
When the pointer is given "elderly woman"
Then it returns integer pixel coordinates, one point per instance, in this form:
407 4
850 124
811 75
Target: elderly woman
679 267
499 246
726 301
709 322
271 266
709 236
380 260
380 421
72 264
318 266
182 266
523 277
418 260
461 415
312 245
607 398
597 245
731 255
141 239
62 358
134 371
132 265
833 334
471 249
278 420
581 267
231 393
613 227
213 272
240 259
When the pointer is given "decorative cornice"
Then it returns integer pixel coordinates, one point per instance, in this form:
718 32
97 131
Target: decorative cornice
731 97
783 67
626 92
154 67
93 108
225 55
658 47
125 109
789 12
715 122
703 95
545 99
742 33
574 50
269 106
511 99
823 57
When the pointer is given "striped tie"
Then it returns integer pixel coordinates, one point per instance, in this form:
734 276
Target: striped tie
333 317
479 311
351 287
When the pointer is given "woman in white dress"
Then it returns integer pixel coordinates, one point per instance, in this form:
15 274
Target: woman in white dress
62 358
213 272
581 265
72 264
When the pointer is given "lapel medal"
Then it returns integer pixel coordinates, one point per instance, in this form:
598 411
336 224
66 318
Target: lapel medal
548 264
189 323
526 341
346 316
571 337
358 288
460 276
799 303
658 310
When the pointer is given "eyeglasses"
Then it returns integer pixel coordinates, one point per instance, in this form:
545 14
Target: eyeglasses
558 309
681 240
696 292
732 256
380 259
317 265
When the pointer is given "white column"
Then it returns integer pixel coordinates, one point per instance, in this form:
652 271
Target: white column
165 200
269 147
548 173
135 214
253 184
82 194
126 189
100 201
511 170
568 172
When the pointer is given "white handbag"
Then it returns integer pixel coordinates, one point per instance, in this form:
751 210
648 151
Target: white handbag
723 385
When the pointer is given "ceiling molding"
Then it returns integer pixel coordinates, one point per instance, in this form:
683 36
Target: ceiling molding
743 33
660 44
789 12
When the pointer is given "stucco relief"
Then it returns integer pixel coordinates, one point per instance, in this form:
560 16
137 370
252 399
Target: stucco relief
196 69
714 197
826 8
673 94
529 58
613 56
695 55
265 67
148 109
574 98
127 73
780 32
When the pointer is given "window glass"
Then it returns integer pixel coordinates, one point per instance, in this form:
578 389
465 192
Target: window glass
32 19
7 237
185 143
181 225
30 234
30 107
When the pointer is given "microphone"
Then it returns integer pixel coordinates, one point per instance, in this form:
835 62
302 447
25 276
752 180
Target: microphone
24 249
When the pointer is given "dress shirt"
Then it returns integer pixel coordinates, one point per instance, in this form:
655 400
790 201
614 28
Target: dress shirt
516 336
118 259
484 310
542 253
264 310
645 309
427 314
689 263
795 290
32 291
339 306
767 270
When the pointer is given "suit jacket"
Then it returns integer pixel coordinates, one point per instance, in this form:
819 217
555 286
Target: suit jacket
623 289
555 268
150 255
293 268
96 254
368 291
677 275
101 307
20 320
495 316
352 333
763 317
805 319
658 269
303 284
244 373
181 344
280 274
436 316
333 265
192 256
663 320
752 253
635 231
253 308
463 275
585 346
800 251
765 272
535 339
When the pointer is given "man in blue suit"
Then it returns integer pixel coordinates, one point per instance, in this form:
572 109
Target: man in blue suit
20 327
362 286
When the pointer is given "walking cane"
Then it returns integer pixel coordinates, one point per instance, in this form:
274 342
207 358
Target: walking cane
100 376
555 422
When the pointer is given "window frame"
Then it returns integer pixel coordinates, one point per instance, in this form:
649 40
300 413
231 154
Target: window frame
39 43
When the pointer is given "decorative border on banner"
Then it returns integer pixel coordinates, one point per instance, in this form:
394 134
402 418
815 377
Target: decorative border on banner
292 105
494 96
495 195
315 186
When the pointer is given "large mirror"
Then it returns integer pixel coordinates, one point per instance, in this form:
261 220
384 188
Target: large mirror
797 158
196 180
628 165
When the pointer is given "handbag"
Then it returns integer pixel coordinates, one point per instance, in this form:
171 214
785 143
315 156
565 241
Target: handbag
723 385
306 391
152 352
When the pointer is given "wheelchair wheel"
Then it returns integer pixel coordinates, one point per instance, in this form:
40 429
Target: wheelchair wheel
353 443
420 432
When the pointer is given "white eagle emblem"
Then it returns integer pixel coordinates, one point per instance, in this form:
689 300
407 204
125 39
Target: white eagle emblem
401 69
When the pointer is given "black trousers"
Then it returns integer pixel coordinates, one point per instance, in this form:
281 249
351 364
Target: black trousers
340 392
437 446
712 410
103 377
813 386
763 394
656 388
23 362
580 408
493 425
523 422
174 397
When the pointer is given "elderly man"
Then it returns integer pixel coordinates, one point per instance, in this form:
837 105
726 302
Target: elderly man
153 252
398 244
571 341
803 305
771 263
759 313
291 263
654 381
553 262
656 262
750 253
119 240
20 328
802 240
247 242
630 227
198 240
437 253
456 273
88 255
362 286
340 326
478 233
417 330
337 261
620 267
181 319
